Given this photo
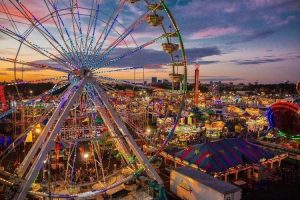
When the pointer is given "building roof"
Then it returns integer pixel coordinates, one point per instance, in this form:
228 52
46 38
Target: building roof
223 154
215 184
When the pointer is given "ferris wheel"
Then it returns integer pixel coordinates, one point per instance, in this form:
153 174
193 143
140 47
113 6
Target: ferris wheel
86 47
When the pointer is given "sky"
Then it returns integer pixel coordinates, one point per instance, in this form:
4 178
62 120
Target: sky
232 40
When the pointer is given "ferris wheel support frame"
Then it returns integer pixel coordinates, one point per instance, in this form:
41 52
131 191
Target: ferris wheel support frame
120 144
47 144
25 163
45 140
127 136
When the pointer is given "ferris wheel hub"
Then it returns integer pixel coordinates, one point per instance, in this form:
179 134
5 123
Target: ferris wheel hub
82 73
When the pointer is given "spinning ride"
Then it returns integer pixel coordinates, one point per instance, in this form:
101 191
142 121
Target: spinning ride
285 117
89 47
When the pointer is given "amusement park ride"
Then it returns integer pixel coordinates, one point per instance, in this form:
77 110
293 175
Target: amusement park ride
196 97
3 105
79 42
285 118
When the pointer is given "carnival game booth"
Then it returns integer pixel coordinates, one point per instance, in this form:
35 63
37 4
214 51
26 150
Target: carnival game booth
227 158
214 130
184 130
266 102
235 110
257 124
253 111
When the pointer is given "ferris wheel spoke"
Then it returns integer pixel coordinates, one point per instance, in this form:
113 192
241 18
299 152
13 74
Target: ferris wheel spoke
33 46
91 19
77 24
45 33
94 29
108 27
114 44
10 19
59 78
58 25
73 51
127 136
113 60
123 36
32 64
105 79
117 70
51 39
15 21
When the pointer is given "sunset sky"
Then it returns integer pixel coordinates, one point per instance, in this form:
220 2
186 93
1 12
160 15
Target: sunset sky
233 40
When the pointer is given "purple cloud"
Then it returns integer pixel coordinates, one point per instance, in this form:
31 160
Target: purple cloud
257 61
214 32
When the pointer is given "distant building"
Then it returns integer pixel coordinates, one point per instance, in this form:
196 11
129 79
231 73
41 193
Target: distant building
165 81
159 81
154 80
286 82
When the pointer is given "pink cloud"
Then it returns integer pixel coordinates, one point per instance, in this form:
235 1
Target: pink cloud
214 32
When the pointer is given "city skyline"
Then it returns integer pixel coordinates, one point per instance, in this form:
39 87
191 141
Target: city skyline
234 41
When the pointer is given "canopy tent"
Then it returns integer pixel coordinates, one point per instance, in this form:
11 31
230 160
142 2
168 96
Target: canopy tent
252 111
221 155
236 110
